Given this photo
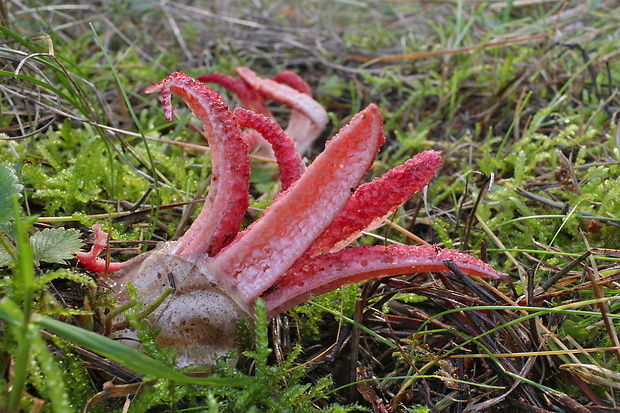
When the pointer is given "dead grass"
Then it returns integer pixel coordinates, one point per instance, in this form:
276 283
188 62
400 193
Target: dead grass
479 79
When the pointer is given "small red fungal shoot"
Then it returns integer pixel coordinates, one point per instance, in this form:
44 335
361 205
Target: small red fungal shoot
296 250
91 258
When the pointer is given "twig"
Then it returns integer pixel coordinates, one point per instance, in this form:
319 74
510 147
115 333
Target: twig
438 53
561 206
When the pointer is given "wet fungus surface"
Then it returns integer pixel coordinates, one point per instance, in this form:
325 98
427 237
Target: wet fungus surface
296 250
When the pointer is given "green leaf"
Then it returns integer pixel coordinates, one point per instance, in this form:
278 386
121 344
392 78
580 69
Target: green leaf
10 312
9 186
55 244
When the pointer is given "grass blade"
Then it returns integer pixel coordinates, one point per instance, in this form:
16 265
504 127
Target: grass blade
128 357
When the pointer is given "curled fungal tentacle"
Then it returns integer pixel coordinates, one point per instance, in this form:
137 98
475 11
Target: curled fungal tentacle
302 129
249 97
308 118
289 161
91 258
293 80
228 195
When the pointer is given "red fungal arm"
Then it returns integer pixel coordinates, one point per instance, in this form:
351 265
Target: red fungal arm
249 97
289 161
293 80
312 277
253 139
273 243
375 200
90 259
220 218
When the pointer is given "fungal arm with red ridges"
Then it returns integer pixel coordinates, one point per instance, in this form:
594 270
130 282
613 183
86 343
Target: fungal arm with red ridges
228 195
312 277
373 201
271 245
289 161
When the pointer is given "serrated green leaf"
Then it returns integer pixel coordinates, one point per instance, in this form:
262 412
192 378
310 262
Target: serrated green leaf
66 274
55 244
9 186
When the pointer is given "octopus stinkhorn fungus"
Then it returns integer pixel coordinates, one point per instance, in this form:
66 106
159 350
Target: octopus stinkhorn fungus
295 251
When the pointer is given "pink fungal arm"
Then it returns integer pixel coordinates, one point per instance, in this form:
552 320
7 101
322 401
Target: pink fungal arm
312 277
302 129
308 118
90 259
284 94
271 245
293 80
217 224
375 200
